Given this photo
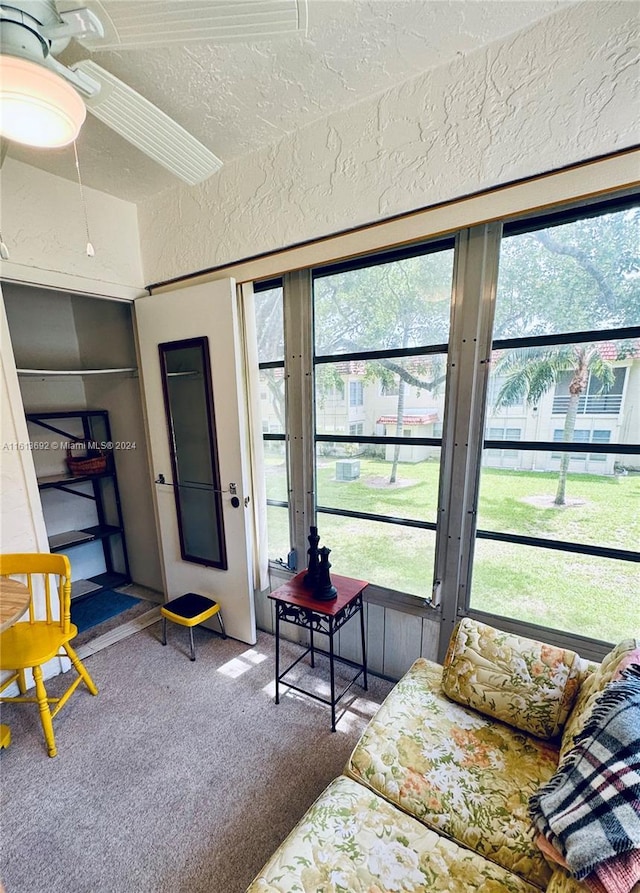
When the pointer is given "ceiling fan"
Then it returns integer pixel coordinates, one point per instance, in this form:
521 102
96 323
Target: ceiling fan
43 102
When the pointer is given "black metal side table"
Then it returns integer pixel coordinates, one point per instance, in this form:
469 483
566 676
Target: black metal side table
295 604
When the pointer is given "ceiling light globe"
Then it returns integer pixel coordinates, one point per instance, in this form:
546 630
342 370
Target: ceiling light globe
37 107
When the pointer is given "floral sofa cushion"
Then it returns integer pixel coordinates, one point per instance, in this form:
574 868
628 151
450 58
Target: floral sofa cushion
530 685
457 771
352 841
596 681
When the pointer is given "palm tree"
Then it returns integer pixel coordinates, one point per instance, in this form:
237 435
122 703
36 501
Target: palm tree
530 373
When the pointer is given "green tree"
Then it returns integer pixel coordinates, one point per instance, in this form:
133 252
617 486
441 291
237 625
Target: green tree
270 334
399 304
530 374
582 275
577 276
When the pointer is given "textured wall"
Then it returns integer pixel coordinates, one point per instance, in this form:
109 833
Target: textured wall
43 227
556 93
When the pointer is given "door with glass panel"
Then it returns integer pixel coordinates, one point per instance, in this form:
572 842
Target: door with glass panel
558 520
190 359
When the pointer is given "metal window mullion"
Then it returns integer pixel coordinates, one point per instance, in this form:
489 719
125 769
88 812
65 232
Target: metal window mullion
559 545
562 446
382 519
386 440
267 284
392 353
384 256
298 335
473 303
562 338
271 364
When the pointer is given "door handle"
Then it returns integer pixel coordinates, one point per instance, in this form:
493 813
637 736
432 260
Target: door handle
232 489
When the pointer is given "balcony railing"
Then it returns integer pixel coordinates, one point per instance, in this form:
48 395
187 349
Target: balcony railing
590 404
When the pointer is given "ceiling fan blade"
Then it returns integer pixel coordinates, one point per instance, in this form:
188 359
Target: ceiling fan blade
146 127
134 24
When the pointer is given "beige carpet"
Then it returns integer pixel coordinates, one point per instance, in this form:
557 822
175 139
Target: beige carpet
179 777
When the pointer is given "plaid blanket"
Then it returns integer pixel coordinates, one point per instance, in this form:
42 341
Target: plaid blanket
590 809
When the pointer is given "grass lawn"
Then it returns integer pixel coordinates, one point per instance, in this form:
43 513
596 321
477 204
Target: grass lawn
596 597
601 510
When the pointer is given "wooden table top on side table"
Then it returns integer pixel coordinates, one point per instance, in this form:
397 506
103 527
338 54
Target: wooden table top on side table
294 592
14 601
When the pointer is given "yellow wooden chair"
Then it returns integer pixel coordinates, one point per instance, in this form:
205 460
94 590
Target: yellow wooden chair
30 643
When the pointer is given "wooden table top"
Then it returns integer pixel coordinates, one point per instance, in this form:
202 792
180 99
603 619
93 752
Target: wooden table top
295 593
14 601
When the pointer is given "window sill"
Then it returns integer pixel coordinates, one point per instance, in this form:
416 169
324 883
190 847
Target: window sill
375 595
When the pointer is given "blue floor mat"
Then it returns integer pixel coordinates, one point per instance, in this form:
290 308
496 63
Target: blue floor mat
94 609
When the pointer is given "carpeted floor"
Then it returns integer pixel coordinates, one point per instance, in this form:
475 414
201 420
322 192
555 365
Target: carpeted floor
179 777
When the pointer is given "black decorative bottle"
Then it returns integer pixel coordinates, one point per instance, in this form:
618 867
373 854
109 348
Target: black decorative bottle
310 579
324 590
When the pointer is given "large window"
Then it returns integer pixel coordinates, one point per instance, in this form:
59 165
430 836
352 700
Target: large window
463 420
558 533
270 329
381 337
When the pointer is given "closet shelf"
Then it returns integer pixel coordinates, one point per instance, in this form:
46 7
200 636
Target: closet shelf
123 370
63 479
58 542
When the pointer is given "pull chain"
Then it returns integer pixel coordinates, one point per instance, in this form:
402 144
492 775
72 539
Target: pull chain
90 249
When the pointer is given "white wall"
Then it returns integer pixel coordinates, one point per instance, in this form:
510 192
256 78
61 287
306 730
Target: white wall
43 336
43 227
554 94
22 526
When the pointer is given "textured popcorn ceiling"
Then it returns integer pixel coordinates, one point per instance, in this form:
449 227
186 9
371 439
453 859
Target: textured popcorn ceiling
238 98
551 95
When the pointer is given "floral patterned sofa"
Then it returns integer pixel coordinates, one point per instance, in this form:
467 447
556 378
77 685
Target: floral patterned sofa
435 794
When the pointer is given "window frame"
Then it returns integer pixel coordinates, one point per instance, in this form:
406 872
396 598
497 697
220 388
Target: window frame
470 342
525 224
267 436
424 248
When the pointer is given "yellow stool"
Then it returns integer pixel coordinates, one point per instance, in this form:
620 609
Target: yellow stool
190 610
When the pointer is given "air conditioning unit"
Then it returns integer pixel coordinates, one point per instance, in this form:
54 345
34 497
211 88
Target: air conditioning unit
347 469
